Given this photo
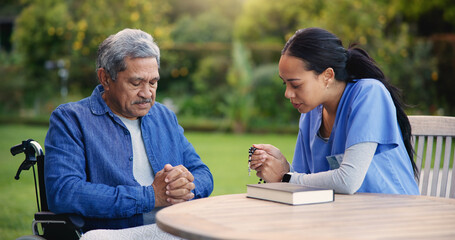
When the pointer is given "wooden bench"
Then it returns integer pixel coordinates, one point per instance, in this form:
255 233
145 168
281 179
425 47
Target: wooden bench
433 143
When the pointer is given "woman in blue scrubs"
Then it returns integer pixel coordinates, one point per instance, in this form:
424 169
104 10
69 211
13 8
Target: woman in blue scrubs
354 135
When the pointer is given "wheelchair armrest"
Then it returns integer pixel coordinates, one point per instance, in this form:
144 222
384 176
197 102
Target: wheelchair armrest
75 220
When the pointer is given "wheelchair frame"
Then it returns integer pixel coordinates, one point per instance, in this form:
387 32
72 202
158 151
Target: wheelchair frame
53 226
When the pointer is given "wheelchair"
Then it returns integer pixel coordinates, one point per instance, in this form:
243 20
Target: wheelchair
46 225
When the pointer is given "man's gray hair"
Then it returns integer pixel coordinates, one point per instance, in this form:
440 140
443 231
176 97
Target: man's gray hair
132 43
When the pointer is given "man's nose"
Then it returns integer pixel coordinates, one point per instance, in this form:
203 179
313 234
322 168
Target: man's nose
145 91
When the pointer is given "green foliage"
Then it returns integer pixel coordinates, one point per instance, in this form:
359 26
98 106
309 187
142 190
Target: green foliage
411 68
273 21
209 83
206 27
226 9
270 105
416 8
40 36
71 31
11 92
374 25
239 100
217 55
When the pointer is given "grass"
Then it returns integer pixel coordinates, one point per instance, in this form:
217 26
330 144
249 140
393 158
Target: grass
17 197
423 156
225 154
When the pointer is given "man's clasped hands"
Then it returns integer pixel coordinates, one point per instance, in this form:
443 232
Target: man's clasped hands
173 185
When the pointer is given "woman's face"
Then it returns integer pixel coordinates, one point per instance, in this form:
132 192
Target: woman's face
305 89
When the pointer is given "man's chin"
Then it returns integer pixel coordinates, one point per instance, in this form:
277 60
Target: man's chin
142 111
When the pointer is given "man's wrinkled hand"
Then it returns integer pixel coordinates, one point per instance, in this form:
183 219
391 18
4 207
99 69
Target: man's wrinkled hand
179 184
159 186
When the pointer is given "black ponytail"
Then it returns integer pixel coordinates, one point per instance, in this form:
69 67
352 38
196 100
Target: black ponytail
320 49
361 65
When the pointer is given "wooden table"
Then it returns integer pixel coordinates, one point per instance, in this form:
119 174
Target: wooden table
358 216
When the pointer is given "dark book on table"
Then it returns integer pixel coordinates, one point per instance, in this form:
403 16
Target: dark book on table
289 193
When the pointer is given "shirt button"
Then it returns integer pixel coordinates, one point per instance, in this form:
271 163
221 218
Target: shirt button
131 158
126 132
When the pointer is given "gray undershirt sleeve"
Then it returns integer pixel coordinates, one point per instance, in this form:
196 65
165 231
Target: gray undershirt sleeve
348 177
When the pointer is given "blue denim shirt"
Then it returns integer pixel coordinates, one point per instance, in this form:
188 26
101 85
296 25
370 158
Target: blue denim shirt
88 164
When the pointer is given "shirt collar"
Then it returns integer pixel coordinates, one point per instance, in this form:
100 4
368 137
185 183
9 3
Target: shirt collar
97 104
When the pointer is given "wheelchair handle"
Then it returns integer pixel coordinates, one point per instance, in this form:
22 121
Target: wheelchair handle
19 148
32 149
24 166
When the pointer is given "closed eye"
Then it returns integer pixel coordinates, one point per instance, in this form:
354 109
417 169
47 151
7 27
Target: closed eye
291 80
293 86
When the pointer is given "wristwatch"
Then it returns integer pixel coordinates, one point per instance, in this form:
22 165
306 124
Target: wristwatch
286 177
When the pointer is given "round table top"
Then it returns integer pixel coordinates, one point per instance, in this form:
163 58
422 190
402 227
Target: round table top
358 216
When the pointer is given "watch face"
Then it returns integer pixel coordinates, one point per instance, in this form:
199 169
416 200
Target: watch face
286 177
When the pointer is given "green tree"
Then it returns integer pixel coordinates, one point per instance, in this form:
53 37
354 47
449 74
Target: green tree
375 25
273 21
52 30
201 38
40 35
206 27
239 99
416 8
205 42
12 83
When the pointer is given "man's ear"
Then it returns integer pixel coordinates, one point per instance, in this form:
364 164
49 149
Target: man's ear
103 77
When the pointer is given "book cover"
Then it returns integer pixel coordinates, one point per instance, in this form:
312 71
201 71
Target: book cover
289 193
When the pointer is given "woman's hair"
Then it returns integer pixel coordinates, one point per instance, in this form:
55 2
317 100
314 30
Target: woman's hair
320 49
132 43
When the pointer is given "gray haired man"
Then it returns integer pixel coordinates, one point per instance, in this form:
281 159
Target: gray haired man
118 156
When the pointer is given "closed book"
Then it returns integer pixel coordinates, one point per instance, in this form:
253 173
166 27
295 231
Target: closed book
290 193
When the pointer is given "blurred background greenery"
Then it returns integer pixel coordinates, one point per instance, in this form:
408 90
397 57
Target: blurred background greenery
219 58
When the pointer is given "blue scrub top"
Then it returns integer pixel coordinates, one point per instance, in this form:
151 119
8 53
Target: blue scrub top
366 113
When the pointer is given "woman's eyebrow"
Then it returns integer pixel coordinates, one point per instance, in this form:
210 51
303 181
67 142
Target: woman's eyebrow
290 79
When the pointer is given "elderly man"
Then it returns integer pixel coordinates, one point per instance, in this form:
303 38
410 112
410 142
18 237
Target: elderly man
118 156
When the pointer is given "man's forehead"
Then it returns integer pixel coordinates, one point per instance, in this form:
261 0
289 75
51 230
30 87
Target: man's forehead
141 66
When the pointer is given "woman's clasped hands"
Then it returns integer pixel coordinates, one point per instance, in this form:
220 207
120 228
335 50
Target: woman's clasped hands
269 163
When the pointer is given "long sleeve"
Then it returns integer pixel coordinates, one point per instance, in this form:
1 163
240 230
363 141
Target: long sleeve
348 177
70 188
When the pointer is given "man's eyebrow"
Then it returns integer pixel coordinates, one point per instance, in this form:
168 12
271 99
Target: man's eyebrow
142 79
